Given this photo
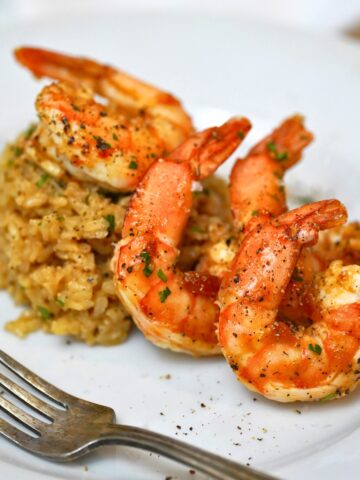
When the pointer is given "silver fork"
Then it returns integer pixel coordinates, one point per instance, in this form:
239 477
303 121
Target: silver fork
78 427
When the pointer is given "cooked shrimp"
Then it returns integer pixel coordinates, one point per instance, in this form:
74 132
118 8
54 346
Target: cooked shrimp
256 182
111 144
256 188
282 360
340 243
173 309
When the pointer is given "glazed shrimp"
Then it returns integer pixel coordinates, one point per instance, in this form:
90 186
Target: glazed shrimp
173 309
111 144
256 182
256 188
340 243
281 360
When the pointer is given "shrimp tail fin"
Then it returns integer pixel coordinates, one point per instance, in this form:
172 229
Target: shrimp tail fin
286 143
323 214
206 150
46 63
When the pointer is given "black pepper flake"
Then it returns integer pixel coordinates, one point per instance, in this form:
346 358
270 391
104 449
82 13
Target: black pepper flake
202 405
101 144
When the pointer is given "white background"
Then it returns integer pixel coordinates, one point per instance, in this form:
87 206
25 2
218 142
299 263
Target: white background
322 15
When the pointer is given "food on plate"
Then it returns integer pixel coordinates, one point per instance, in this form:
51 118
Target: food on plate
56 242
173 309
282 360
257 188
112 144
57 230
201 268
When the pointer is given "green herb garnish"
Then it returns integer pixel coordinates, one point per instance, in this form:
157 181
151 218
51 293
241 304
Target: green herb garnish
111 222
30 131
42 180
59 302
196 229
328 397
161 275
101 144
315 348
44 313
296 276
147 259
18 151
133 165
271 147
255 213
115 137
163 295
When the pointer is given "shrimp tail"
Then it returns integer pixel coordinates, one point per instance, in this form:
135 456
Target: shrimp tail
321 215
206 150
286 143
47 63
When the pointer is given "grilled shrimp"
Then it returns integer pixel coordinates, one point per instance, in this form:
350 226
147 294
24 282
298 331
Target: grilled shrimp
256 188
284 360
111 144
340 243
173 309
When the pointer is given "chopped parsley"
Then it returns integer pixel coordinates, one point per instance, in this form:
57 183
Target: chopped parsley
30 131
44 313
111 222
161 275
60 302
255 213
315 348
42 180
115 137
18 151
240 134
133 165
163 294
101 144
328 397
280 156
147 259
196 229
271 147
296 276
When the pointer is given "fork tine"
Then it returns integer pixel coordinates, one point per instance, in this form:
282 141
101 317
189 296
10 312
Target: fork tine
53 393
15 435
27 397
27 420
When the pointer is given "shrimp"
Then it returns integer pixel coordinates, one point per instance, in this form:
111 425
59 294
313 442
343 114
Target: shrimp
112 144
173 309
256 188
282 360
341 243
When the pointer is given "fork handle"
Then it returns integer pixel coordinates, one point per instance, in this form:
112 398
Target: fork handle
211 465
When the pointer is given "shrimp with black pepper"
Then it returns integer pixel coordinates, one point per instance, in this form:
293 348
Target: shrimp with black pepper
173 309
278 358
112 144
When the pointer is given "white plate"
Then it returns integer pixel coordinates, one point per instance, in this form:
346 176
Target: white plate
220 66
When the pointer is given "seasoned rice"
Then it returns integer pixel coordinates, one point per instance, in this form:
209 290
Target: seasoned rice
56 242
